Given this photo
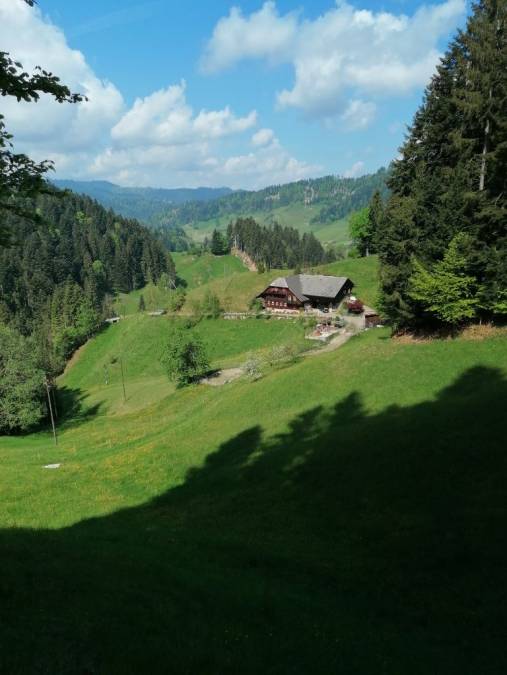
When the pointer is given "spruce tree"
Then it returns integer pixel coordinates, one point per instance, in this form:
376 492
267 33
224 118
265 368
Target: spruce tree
452 175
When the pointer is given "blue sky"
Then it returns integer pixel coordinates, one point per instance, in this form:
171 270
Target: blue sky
199 93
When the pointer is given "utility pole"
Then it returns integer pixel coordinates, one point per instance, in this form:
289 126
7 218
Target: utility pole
53 391
123 380
46 382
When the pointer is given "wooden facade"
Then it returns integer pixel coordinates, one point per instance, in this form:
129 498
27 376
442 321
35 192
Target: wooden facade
276 297
303 290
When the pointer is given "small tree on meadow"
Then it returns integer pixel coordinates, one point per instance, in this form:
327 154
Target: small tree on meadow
177 299
141 307
184 357
211 305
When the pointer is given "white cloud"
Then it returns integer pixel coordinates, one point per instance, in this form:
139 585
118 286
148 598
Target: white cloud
160 140
358 114
263 137
341 54
271 160
165 118
197 164
264 34
48 125
357 169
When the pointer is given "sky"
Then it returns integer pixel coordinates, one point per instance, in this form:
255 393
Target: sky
241 94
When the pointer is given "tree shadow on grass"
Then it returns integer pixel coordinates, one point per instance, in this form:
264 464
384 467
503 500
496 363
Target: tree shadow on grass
351 543
72 409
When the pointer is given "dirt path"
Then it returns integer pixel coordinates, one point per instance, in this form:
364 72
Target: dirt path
334 343
222 377
245 259
227 375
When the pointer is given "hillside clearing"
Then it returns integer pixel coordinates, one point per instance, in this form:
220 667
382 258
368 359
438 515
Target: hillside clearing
327 494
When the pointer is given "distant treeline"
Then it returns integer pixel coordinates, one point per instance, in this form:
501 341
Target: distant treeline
58 276
336 196
142 203
276 246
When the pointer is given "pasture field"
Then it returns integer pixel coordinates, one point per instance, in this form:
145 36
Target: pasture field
236 287
237 290
342 514
297 215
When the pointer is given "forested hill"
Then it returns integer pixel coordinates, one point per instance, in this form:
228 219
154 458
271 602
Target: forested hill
138 202
333 196
58 275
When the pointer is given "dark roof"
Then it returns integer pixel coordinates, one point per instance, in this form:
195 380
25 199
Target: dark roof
306 286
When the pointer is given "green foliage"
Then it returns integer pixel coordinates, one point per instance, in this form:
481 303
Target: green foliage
21 177
167 281
210 306
284 353
275 246
78 241
218 243
256 305
332 196
253 368
451 175
365 224
176 299
359 228
368 482
446 291
21 383
73 319
184 358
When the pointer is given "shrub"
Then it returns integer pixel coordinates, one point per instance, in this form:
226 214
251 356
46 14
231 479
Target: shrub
176 300
256 305
211 305
282 354
184 357
253 368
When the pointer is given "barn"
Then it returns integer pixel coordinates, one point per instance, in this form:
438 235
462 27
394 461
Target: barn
305 290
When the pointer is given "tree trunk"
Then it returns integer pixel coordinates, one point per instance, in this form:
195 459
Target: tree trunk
482 178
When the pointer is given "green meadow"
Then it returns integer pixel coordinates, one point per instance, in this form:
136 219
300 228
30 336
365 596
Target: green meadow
228 278
344 513
297 215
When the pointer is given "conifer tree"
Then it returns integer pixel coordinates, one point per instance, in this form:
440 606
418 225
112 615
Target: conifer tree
452 175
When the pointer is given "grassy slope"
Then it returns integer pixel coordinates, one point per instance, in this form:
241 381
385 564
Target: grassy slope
236 286
295 215
198 270
195 271
362 271
94 380
345 514
237 290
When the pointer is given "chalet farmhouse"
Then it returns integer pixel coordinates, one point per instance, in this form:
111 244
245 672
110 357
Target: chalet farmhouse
305 290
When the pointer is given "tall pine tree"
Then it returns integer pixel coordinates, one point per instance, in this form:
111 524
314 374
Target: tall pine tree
452 175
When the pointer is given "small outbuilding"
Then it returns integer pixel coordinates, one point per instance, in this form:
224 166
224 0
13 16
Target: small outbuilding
113 319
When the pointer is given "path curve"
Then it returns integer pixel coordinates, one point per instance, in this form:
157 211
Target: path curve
227 375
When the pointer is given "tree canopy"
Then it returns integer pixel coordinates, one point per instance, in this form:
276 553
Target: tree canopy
184 357
20 176
452 176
